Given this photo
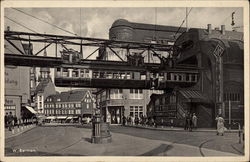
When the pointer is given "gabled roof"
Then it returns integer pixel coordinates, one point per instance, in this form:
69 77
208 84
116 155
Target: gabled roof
69 96
41 86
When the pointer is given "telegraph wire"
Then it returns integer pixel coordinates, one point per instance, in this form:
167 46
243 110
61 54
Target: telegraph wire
45 21
20 24
183 22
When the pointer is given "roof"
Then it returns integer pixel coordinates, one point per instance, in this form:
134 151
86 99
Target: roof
69 96
142 26
41 86
31 109
194 96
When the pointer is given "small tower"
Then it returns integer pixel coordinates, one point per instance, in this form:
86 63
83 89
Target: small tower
44 71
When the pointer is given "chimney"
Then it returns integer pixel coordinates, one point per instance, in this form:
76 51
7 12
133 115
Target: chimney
223 29
216 28
209 28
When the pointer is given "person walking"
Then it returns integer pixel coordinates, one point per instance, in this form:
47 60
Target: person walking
194 121
190 125
186 122
10 119
124 120
220 125
6 120
132 120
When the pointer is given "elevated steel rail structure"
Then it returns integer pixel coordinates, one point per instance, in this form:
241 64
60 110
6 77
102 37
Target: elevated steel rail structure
100 73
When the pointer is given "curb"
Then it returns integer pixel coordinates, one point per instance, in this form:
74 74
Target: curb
179 130
14 135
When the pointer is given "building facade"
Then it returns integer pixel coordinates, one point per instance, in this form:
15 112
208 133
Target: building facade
44 88
114 103
220 88
76 103
17 84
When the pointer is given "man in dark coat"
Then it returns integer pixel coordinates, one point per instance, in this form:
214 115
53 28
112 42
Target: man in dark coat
10 119
6 120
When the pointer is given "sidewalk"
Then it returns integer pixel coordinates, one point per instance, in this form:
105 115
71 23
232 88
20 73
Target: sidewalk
17 131
181 129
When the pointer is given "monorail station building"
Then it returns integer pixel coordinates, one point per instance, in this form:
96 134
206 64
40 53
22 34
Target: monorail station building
218 89
218 54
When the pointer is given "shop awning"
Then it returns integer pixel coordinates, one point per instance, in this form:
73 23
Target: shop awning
69 117
51 117
61 117
194 96
31 109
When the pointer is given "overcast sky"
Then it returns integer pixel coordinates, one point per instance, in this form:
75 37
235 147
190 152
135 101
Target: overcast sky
95 22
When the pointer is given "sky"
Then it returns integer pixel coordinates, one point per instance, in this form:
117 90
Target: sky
95 22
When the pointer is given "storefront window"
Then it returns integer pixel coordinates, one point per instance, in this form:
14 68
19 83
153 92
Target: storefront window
136 111
136 94
116 94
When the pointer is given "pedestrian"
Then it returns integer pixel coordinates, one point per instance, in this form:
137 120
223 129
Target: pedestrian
118 119
15 120
136 120
194 121
220 125
10 119
189 122
186 122
6 120
124 120
172 123
132 120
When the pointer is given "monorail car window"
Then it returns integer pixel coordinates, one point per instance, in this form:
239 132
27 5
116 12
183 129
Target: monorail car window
82 74
102 74
75 73
109 75
116 75
175 76
193 77
168 76
161 76
87 73
143 76
187 77
123 75
65 73
179 77
58 72
95 74
128 76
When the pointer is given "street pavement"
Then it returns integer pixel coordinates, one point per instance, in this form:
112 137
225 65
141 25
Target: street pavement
126 141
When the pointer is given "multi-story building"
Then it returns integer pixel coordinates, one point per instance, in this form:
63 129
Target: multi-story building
17 79
114 103
44 88
220 87
75 103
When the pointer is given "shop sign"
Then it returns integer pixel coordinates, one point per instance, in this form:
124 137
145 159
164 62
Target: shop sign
12 78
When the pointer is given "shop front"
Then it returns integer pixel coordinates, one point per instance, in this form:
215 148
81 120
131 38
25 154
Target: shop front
13 105
112 114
